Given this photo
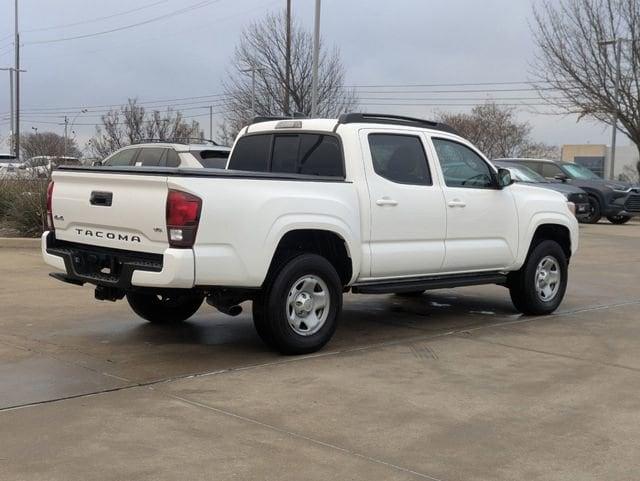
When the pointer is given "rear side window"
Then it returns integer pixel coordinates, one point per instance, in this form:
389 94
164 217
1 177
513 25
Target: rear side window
310 154
122 158
251 153
399 158
550 170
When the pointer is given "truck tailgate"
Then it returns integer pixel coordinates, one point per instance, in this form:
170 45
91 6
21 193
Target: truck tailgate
118 211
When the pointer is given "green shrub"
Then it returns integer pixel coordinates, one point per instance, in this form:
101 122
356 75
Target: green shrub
23 205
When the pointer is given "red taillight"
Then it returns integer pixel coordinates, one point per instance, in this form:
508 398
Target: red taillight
183 216
49 204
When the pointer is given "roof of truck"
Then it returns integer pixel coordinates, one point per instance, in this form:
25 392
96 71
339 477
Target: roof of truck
262 124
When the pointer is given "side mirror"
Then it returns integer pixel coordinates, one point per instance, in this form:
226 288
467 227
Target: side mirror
561 177
96 163
504 178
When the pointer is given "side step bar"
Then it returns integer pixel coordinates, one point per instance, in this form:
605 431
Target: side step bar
427 283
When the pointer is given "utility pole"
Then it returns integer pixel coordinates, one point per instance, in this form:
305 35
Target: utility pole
316 51
210 122
17 71
287 82
66 124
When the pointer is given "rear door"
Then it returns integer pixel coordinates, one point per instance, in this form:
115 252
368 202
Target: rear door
408 218
482 221
121 211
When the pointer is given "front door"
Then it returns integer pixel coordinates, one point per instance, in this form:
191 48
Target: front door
482 221
408 217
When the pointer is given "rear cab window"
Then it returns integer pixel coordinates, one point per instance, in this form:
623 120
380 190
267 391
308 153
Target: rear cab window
306 153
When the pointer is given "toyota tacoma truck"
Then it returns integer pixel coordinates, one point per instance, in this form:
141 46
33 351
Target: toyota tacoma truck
307 210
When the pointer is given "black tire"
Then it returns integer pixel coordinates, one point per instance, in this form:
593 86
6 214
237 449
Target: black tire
618 219
409 294
271 308
522 284
259 321
164 309
595 212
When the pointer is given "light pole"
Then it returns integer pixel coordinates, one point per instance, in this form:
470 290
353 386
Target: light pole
17 71
316 54
66 124
253 71
617 47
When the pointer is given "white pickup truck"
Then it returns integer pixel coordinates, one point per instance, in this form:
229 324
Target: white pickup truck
307 210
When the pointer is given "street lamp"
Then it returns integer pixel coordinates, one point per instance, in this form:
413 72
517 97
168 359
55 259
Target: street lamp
66 124
617 47
36 129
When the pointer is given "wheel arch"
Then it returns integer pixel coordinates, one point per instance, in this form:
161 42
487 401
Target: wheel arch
330 243
554 227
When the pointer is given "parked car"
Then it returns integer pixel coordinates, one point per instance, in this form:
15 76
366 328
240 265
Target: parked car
41 166
170 154
8 166
523 174
307 210
617 201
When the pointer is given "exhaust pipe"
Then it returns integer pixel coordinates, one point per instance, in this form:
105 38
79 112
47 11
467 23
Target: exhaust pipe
225 307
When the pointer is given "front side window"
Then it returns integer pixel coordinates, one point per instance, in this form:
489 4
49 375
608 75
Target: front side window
399 158
150 157
122 158
461 166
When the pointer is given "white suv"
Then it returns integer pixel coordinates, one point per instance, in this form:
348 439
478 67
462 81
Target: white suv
169 154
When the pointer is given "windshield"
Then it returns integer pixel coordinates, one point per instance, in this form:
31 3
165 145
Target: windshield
520 173
579 172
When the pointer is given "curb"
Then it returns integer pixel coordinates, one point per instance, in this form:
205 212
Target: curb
19 243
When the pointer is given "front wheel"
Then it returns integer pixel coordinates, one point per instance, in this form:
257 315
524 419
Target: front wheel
298 311
164 308
619 219
594 214
539 286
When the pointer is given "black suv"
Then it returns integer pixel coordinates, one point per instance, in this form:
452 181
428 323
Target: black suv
615 200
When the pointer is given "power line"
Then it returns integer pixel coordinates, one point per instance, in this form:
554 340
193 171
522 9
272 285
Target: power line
190 8
97 19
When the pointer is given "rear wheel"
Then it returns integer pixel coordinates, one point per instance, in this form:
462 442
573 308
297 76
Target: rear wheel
594 214
299 308
619 219
539 286
164 308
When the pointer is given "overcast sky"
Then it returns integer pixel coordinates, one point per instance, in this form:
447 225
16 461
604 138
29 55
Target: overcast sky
382 42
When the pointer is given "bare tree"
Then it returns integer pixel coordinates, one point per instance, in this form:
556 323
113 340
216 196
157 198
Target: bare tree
495 130
571 60
47 143
132 123
262 52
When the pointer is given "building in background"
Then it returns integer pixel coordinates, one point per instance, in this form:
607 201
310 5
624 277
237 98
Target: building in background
596 157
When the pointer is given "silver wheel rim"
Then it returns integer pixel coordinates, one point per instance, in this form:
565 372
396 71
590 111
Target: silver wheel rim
308 304
548 278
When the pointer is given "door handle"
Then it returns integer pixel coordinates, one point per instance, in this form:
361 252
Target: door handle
457 203
386 201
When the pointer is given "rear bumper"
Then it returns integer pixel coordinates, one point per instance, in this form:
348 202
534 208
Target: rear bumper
120 269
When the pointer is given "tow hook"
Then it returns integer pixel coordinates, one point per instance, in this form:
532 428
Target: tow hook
112 294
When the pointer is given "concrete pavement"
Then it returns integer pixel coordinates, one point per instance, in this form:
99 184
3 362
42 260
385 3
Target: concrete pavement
453 385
